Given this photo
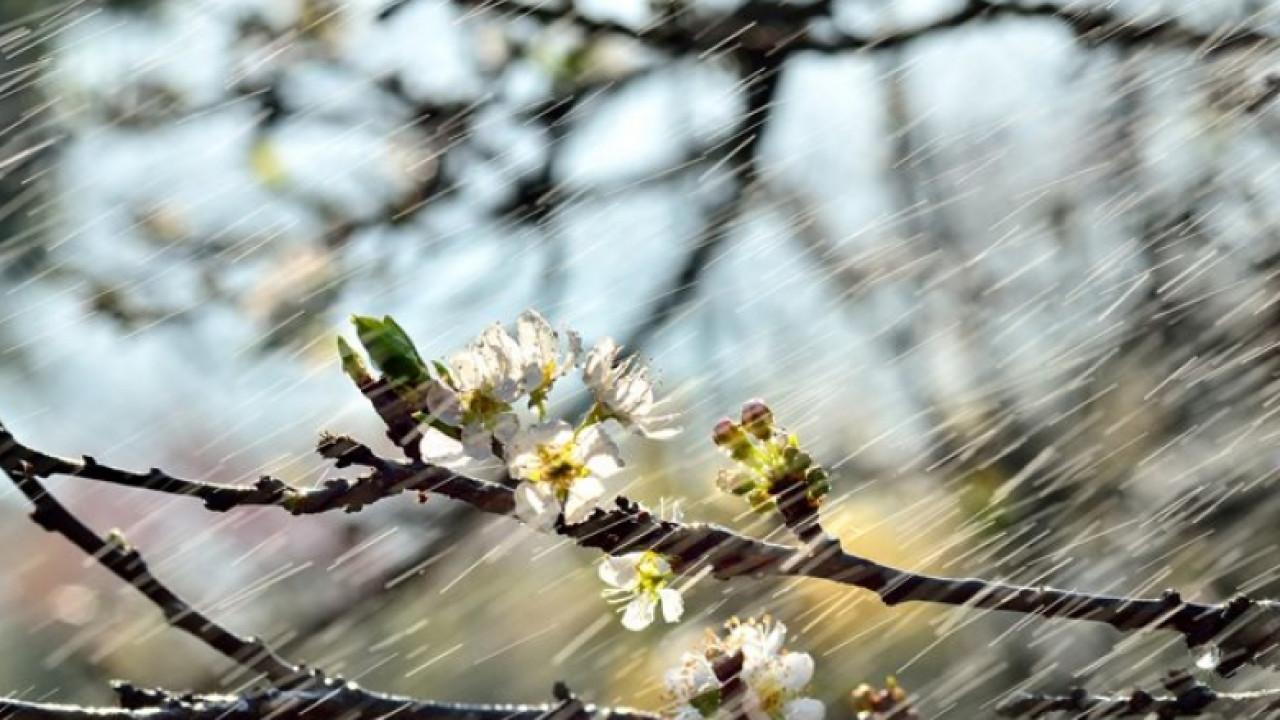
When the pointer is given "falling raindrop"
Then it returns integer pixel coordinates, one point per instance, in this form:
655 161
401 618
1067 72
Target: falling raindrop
1208 657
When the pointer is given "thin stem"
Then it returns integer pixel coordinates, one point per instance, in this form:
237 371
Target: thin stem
129 566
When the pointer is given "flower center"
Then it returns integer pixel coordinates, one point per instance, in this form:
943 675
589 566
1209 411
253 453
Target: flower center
651 573
559 466
771 701
480 406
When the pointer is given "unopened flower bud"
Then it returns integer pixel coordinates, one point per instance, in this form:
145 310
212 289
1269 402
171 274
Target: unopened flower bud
870 703
760 500
896 693
864 698
816 472
733 439
724 432
757 418
737 483
353 365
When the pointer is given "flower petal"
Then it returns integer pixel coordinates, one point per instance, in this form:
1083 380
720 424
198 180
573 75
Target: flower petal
536 506
659 427
752 707
477 441
490 469
600 362
438 448
771 642
693 676
684 712
443 403
601 455
639 613
535 336
672 605
796 670
506 427
804 709
620 572
583 497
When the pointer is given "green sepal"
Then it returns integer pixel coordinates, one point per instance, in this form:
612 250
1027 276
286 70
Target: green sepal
442 370
796 460
391 350
707 703
761 501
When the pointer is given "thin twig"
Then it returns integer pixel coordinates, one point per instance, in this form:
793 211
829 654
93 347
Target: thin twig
125 562
332 495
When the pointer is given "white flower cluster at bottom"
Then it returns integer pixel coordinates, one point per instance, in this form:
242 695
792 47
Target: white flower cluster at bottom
773 679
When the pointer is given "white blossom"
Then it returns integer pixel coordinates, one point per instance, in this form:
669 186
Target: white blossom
692 688
560 470
642 580
774 678
481 383
545 355
624 392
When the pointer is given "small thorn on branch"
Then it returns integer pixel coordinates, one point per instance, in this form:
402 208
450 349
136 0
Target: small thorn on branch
345 451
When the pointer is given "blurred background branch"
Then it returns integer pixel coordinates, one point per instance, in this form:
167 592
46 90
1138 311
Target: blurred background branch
1012 264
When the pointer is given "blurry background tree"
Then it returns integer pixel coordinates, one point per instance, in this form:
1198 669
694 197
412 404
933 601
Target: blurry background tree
1013 267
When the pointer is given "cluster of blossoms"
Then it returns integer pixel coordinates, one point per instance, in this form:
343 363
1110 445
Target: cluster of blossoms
470 404
766 456
472 412
772 680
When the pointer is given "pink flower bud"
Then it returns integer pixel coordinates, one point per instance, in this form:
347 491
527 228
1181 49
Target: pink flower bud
757 418
725 432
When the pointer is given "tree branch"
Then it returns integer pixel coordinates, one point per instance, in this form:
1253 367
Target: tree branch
125 562
295 688
331 699
1091 26
334 494
1187 699
1248 631
779 28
